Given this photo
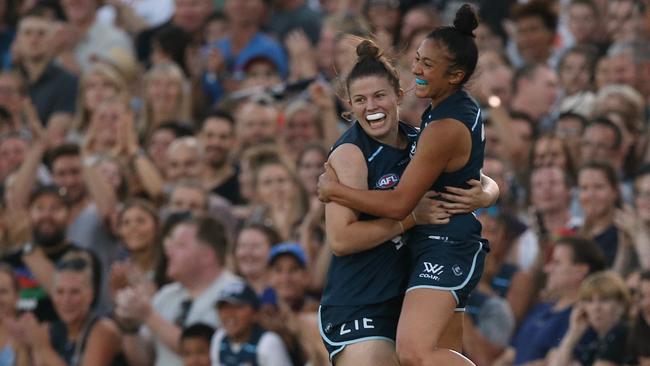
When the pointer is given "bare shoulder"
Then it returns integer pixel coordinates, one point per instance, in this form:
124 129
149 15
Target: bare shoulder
345 155
106 328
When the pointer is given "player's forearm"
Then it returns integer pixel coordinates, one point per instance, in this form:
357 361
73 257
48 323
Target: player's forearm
387 204
364 235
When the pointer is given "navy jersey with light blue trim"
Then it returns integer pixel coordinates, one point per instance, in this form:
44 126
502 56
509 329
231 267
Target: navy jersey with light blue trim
247 354
380 273
461 107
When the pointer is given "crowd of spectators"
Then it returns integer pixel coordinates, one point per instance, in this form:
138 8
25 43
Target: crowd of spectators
159 162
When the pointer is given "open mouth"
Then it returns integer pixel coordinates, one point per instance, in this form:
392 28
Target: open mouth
376 119
421 82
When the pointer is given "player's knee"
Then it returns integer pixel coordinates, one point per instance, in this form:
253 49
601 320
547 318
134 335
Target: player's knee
411 354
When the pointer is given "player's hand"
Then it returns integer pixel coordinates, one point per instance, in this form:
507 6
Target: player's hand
327 183
461 201
430 211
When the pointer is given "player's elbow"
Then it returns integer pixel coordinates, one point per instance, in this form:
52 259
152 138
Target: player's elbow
399 212
339 248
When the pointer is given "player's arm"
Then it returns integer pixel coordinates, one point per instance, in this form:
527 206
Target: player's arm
345 234
440 143
481 194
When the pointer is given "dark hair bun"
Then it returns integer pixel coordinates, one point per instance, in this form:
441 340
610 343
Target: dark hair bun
466 20
368 49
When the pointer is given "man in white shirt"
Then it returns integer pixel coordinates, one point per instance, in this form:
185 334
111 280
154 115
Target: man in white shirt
196 251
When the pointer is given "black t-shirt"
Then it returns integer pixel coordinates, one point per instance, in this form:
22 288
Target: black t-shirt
32 295
612 347
229 190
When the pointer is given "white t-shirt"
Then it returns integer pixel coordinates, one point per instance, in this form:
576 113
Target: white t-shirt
153 12
168 302
271 351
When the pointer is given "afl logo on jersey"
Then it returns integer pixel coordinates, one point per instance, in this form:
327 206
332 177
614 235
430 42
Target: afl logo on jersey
388 181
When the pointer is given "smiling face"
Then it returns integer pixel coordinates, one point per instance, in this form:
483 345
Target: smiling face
96 89
252 253
73 295
596 195
236 320
373 101
137 228
431 69
275 186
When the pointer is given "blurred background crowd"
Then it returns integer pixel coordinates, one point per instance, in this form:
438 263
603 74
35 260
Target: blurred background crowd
154 154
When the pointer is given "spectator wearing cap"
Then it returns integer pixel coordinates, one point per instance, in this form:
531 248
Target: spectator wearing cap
196 250
289 275
244 43
51 88
259 72
195 344
293 315
241 339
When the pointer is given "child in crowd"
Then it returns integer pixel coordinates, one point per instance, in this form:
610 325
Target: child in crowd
241 340
195 344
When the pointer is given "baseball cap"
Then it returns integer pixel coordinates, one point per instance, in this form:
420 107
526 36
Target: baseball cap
273 55
239 293
288 248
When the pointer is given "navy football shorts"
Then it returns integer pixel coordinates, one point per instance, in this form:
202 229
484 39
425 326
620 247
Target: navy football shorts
444 263
344 325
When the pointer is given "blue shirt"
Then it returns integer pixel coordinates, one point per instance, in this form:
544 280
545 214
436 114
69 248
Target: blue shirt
541 331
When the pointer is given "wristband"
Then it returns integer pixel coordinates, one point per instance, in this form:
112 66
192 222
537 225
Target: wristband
401 226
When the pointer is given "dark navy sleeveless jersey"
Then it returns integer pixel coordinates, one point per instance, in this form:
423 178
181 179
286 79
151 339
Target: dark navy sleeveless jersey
461 107
247 354
380 273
